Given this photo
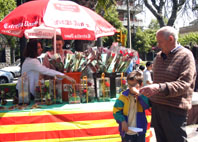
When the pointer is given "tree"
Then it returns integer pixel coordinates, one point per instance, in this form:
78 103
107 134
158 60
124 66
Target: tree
154 24
144 41
6 7
169 9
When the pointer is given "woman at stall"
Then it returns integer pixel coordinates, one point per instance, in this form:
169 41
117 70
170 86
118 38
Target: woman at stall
33 68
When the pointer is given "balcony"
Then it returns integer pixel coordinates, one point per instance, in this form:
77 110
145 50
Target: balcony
137 8
135 23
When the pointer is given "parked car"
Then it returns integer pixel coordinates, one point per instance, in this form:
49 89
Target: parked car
5 77
14 69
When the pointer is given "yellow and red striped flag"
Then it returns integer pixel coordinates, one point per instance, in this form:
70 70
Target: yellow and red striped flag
91 122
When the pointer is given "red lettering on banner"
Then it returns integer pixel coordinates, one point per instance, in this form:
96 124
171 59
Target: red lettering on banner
62 7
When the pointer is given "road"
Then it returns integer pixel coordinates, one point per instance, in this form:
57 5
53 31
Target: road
191 131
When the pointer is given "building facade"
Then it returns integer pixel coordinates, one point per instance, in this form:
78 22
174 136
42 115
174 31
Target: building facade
135 9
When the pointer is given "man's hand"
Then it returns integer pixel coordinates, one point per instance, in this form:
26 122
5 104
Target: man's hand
134 91
124 126
150 90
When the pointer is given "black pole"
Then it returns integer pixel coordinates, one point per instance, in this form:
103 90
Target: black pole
128 25
18 2
22 40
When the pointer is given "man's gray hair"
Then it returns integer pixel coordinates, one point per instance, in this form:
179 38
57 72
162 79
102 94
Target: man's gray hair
167 31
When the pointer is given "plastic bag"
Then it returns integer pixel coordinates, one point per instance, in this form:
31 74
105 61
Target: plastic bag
23 89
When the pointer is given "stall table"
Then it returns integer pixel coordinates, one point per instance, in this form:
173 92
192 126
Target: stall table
92 122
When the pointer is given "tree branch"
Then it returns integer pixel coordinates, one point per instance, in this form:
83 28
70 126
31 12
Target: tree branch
173 16
157 13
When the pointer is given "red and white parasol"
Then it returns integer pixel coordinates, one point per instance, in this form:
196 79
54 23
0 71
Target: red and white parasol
43 18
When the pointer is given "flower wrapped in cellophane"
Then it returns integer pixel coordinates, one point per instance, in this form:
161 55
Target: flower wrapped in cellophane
55 60
103 88
74 93
23 89
121 84
55 91
115 59
88 90
76 62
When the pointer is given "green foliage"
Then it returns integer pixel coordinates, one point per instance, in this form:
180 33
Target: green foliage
144 40
189 39
154 24
111 15
6 6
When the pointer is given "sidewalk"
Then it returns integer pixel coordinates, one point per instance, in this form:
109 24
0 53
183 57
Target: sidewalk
191 131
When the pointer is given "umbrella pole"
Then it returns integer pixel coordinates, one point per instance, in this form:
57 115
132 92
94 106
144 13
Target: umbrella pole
54 41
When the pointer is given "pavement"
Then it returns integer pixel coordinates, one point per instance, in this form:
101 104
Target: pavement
191 132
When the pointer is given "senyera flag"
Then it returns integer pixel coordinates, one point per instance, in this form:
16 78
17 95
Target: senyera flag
75 22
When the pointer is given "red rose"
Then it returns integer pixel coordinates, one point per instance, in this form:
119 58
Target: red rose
6 90
121 52
113 54
89 83
131 54
85 91
107 84
123 81
126 53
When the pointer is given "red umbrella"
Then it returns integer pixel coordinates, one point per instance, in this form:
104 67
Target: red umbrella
74 21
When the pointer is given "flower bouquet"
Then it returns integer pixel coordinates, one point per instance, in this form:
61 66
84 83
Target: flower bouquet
77 62
55 60
110 60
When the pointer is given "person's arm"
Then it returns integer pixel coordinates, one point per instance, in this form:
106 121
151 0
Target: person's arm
118 109
36 66
46 62
118 114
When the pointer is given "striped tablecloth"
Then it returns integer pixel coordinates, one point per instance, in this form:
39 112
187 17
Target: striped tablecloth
92 122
